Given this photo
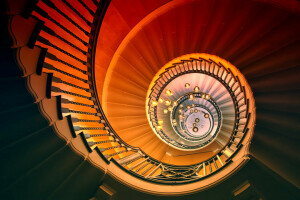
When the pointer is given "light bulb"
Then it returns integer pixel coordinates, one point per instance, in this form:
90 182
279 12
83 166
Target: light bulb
168 102
187 85
154 103
169 92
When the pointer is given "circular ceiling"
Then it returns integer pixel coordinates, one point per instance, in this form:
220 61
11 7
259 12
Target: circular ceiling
139 58
212 120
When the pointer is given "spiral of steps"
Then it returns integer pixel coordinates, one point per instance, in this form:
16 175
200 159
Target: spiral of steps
73 112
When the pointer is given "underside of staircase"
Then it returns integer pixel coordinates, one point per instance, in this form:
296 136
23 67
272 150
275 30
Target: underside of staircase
42 158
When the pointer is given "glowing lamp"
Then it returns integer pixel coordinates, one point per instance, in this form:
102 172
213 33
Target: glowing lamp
169 92
168 102
154 103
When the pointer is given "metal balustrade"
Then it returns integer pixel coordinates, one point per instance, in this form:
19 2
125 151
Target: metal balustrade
237 92
70 40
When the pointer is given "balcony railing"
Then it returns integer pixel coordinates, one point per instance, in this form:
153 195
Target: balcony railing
69 34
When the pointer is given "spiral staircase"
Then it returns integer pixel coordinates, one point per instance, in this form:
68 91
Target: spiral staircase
150 99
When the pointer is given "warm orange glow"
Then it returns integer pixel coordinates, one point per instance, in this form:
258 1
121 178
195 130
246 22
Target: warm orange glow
191 96
159 127
154 103
169 92
168 102
133 67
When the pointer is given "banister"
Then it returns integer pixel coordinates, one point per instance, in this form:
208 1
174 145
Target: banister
206 67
